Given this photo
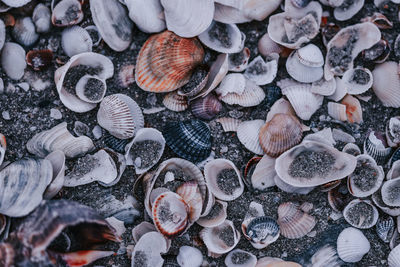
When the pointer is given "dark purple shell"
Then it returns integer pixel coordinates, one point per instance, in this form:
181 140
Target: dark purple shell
206 108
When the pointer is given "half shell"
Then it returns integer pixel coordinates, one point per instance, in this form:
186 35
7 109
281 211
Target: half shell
247 133
352 245
240 258
293 221
67 13
357 80
386 84
148 249
393 131
146 15
216 216
361 214
261 72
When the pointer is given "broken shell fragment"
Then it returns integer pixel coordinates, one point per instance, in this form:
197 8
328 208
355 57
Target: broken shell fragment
261 72
148 249
229 124
247 133
361 214
24 31
216 216
378 53
57 160
386 83
240 258
263 174
252 95
293 221
352 245
357 80
67 13
353 109
337 111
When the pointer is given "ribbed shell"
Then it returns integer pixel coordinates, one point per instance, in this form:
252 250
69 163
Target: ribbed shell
352 245
206 108
247 133
120 115
386 83
293 222
281 133
394 257
301 72
261 231
76 40
337 111
24 31
385 228
229 124
175 102
166 62
375 146
189 139
251 96
190 193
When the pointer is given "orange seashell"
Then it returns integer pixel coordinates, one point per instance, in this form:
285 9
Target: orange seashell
353 109
281 133
166 62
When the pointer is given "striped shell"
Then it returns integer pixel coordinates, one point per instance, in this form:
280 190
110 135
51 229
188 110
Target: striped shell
206 108
166 62
352 245
261 231
247 133
375 145
394 257
191 195
385 228
386 83
229 124
293 221
175 102
281 133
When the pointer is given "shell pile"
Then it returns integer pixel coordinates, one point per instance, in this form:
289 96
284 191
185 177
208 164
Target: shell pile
200 133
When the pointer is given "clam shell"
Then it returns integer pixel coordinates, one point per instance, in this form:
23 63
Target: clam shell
120 115
247 133
41 16
260 231
385 228
386 83
148 249
91 89
59 138
310 56
392 131
240 258
324 164
146 15
352 245
229 124
394 257
216 216
228 14
390 194
337 111
264 173
353 109
57 160
252 95
189 257
189 139
293 222
206 108
357 80
13 60
340 90
238 62
324 87
261 72
375 146
175 102
166 62
347 9
361 214
301 72
22 186
197 82
378 201
76 40
281 133
67 13
141 229
266 46
24 31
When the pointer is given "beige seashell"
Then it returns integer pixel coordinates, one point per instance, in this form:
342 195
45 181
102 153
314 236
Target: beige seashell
57 160
352 245
266 46
230 185
13 60
247 133
357 80
175 102
216 216
347 10
189 257
252 95
353 109
76 40
293 222
91 89
394 257
337 111
386 84
229 124
250 260
361 214
146 15
264 173
261 72
280 106
324 87
149 247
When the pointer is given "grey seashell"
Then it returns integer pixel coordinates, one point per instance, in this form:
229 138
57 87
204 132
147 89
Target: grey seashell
57 160
22 185
16 3
361 214
67 13
2 34
13 60
42 18
76 40
385 228
59 138
146 15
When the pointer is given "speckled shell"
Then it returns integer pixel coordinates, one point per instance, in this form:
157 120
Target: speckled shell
189 139
375 146
281 133
250 259
362 223
120 115
248 132
220 217
206 108
175 102
386 84
166 62
385 228
352 245
67 13
294 223
260 231
394 257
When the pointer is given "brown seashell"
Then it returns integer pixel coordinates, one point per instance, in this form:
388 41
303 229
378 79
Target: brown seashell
207 107
166 62
380 20
338 198
294 222
175 102
39 59
281 133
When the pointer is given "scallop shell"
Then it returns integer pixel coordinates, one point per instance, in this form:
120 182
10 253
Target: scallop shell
233 185
293 222
375 145
337 111
301 72
76 40
247 133
390 192
23 183
281 133
67 13
216 238
353 109
24 31
394 257
188 18
325 164
175 102
357 80
324 87
41 16
386 83
148 249
57 160
347 9
59 138
238 61
260 231
264 173
146 15
392 131
223 38
189 257
229 124
13 60
361 214
216 216
252 95
120 115
352 245
234 259
385 228
180 56
266 46
189 139
206 108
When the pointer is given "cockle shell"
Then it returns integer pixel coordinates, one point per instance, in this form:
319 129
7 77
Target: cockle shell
252 95
261 72
247 133
41 16
76 40
120 115
175 102
386 83
13 60
166 62
216 216
394 257
280 106
281 133
206 108
240 258
293 221
376 146
59 138
189 257
229 124
352 245
192 196
357 80
146 15
260 231
324 87
67 13
24 31
57 160
361 214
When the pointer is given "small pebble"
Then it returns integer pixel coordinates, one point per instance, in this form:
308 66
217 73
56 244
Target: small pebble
6 115
224 149
55 114
97 132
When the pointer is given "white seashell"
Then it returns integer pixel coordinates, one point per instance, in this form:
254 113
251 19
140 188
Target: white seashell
175 102
76 40
238 62
24 31
240 258
16 3
300 72
357 80
394 257
352 245
229 124
261 72
266 46
259 9
188 18
94 34
337 111
41 16
264 174
223 38
247 132
339 135
229 15
285 187
57 160
189 257
394 172
361 214
148 249
326 256
347 9
232 3
280 106
67 13
323 136
386 83
332 3
390 189
13 60
324 87
310 56
120 115
142 228
146 15
2 35
252 96
91 89
267 261
340 90
232 83
216 216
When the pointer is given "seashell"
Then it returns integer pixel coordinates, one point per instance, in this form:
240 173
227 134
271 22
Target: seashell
113 23
258 9
332 3
361 214
352 245
41 17
180 57
175 102
394 241
386 83
127 75
148 249
339 135
392 131
57 160
394 258
344 47
94 34
188 18
280 106
375 145
351 149
326 256
394 171
281 133
380 20
267 47
301 72
67 13
3 148
337 111
223 38
238 62
247 133
2 33
269 261
357 80
146 15
189 257
206 108
338 198
378 201
293 222
59 138
367 177
15 3
260 231
76 40
229 14
24 31
385 228
310 56
282 264
323 136
91 89
197 82
340 90
216 216
264 173
378 53
390 190
120 115
353 109
328 32
105 167
5 225
189 139
191 195
304 102
66 77
252 95
324 87
285 187
395 157
220 239
312 163
23 183
229 124
13 60
114 143
141 229
347 9
39 59
224 179
240 258
261 72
